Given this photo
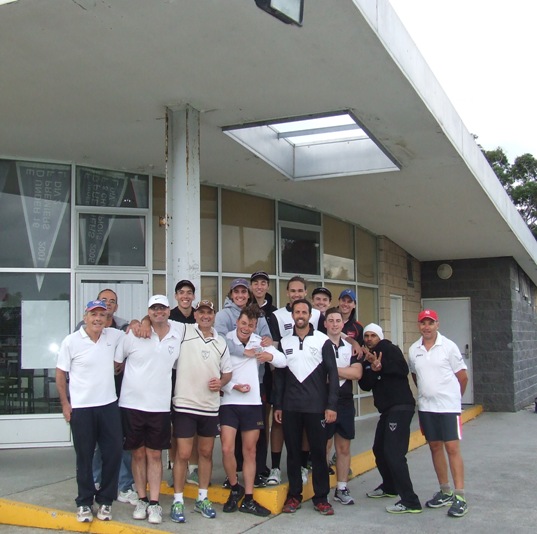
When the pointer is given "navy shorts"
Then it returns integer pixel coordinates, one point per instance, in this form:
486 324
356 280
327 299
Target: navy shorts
187 425
344 424
145 429
242 417
440 426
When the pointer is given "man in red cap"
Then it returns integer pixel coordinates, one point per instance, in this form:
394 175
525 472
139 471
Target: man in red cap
440 373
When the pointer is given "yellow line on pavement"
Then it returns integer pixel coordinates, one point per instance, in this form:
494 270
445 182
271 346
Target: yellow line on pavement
273 498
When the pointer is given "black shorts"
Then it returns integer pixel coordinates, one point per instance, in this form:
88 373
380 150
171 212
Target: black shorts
242 417
187 425
344 424
440 426
145 429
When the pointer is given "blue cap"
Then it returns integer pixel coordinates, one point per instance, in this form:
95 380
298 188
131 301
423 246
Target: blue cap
348 293
94 304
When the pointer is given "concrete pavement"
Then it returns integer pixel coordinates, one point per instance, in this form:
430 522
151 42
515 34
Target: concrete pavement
500 456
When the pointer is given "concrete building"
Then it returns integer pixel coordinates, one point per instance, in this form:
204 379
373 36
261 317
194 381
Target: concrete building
145 142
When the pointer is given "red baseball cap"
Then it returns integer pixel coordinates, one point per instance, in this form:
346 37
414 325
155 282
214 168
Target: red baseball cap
427 314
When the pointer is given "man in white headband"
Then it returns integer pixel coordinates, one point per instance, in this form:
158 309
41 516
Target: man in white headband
386 374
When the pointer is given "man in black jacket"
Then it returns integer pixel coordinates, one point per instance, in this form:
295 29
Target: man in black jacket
306 396
386 374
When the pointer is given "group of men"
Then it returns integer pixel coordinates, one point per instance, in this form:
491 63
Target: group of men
312 357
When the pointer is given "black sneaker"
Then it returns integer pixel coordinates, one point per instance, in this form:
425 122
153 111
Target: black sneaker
226 484
458 508
233 500
260 482
440 499
254 508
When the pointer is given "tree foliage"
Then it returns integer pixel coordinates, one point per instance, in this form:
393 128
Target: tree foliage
519 180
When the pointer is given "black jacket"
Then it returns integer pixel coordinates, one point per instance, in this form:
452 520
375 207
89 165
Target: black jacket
390 385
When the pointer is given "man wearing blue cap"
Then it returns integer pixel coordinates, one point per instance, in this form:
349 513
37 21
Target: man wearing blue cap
92 408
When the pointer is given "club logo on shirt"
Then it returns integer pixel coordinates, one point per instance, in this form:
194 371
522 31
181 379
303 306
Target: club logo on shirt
205 354
314 351
288 326
170 350
393 426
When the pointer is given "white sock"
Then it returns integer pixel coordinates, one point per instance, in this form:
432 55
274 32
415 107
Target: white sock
178 497
341 485
202 494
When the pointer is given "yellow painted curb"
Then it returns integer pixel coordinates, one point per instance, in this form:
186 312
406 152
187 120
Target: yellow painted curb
273 498
28 515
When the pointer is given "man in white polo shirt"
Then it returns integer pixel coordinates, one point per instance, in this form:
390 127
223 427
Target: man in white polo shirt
440 373
145 402
92 409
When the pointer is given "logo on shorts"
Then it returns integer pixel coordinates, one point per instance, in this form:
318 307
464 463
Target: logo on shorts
205 354
393 426
323 423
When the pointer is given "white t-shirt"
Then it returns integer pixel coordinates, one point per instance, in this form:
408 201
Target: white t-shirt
438 388
90 366
246 369
147 382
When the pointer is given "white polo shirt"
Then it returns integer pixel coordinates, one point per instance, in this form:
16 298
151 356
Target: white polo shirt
438 388
90 366
147 382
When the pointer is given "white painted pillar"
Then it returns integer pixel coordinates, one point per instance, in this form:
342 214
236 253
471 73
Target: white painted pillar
183 255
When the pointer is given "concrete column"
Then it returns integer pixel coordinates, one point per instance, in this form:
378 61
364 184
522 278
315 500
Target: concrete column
183 256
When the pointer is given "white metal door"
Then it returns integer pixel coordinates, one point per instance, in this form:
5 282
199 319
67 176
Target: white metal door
455 323
132 293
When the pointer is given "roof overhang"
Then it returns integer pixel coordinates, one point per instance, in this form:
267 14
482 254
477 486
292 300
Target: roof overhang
89 81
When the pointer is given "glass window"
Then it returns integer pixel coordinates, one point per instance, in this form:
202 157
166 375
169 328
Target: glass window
247 233
35 214
209 228
289 213
26 389
159 287
338 257
209 290
300 251
159 232
111 240
367 309
366 254
111 189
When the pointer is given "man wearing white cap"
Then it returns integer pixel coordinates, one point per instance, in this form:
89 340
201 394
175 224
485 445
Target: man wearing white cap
145 402
92 410
440 373
386 374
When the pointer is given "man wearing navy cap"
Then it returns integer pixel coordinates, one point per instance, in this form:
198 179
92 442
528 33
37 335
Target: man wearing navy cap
347 306
321 299
92 408
439 371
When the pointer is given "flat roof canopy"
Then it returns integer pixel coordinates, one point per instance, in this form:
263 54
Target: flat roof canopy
89 81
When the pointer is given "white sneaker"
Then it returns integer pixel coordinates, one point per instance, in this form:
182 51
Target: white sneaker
129 496
104 513
304 472
84 514
154 514
140 512
275 477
